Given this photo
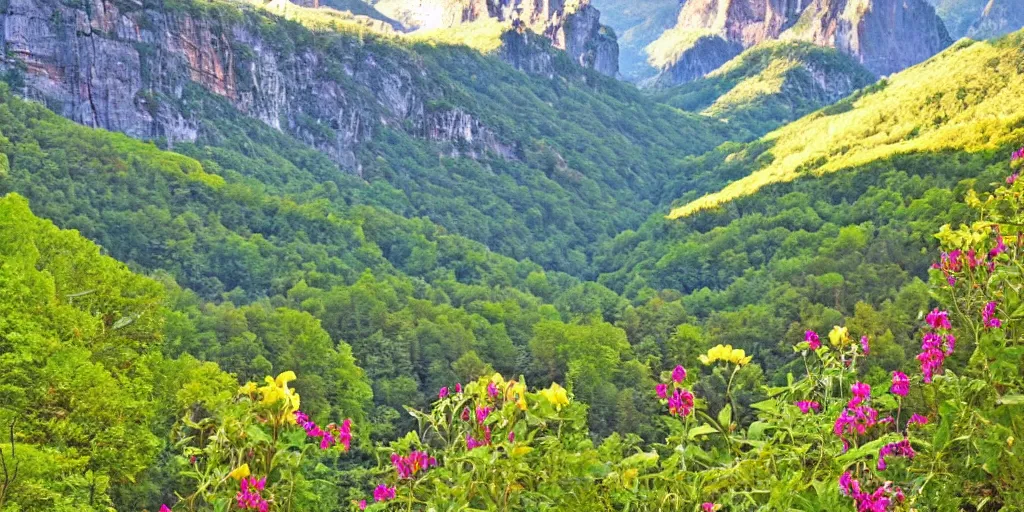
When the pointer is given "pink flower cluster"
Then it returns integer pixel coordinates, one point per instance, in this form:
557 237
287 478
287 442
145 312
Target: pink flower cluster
807 406
988 316
813 340
473 443
857 417
383 493
332 435
878 501
411 464
681 401
865 345
897 449
249 494
936 345
1017 155
900 384
917 419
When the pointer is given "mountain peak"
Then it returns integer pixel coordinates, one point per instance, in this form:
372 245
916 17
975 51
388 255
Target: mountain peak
886 36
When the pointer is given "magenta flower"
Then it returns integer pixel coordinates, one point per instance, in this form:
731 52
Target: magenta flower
988 315
934 350
680 403
897 449
900 384
492 390
442 393
165 508
807 406
458 387
1011 179
511 437
662 390
997 250
861 392
917 419
465 414
248 496
679 374
813 340
847 484
865 345
411 464
383 493
332 435
939 319
707 506
362 504
482 413
1017 155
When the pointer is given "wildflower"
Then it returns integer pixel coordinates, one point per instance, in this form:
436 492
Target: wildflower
492 390
511 437
709 507
277 391
1017 155
998 249
934 353
516 392
861 392
726 353
807 406
900 384
458 388
165 508
330 436
482 413
240 472
839 336
917 419
897 449
465 414
939 319
362 504
248 496
345 434
865 345
988 315
679 374
473 443
442 393
1011 179
813 340
383 493
680 403
556 395
847 483
411 464
662 390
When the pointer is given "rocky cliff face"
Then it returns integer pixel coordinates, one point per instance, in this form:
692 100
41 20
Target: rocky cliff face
999 17
570 25
117 65
886 36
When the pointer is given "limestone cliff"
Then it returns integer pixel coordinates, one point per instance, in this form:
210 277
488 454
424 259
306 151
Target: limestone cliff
885 36
570 25
130 67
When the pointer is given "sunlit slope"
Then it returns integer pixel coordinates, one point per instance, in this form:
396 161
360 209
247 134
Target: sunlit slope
970 97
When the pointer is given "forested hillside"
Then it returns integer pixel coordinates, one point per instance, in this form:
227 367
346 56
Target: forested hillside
320 264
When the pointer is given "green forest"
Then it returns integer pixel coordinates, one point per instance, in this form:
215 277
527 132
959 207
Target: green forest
747 292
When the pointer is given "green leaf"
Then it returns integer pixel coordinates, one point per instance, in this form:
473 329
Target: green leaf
1013 399
725 416
702 430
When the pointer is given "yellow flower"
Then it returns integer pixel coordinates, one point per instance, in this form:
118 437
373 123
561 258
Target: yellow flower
240 472
277 390
516 392
839 336
736 356
556 395
248 389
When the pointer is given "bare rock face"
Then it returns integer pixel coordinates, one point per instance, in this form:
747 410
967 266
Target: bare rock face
570 25
1000 17
117 65
886 36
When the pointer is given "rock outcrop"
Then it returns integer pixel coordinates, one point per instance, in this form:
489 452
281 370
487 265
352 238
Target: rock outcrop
570 25
1000 17
119 65
885 36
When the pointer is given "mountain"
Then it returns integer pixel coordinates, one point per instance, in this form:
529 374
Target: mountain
979 19
771 84
637 23
421 118
966 98
883 35
574 26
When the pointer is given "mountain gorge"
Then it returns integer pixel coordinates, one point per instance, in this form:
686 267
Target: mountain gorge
883 35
